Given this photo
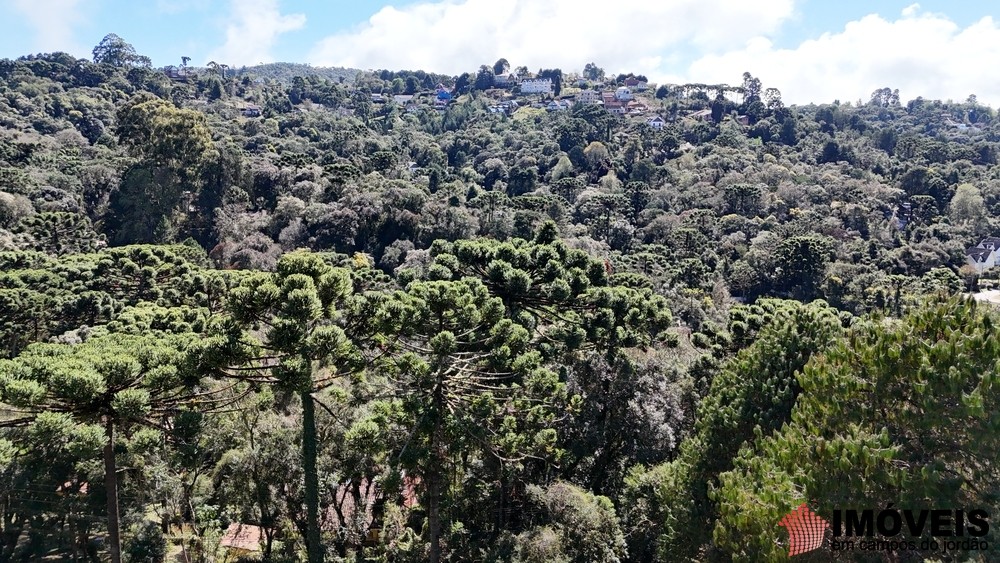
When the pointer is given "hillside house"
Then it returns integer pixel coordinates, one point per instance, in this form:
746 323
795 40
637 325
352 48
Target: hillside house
588 97
505 80
701 115
636 85
656 122
242 540
983 256
251 111
624 93
616 107
537 86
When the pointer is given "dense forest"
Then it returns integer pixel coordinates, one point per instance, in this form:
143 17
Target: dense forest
292 314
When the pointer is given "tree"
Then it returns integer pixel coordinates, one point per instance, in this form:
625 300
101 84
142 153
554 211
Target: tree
967 206
743 199
484 78
555 75
593 72
910 432
495 315
463 83
584 526
303 349
114 51
172 147
802 263
884 98
463 365
671 509
501 66
115 383
751 89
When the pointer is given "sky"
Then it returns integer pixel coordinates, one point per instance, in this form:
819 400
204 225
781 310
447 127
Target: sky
811 50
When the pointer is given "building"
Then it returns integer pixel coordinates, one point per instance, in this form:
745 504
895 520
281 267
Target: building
443 93
656 122
624 93
505 80
636 85
241 540
983 256
701 115
537 86
616 107
251 111
588 97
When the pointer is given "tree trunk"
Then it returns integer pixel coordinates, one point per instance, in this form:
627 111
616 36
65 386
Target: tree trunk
434 507
434 478
111 485
314 548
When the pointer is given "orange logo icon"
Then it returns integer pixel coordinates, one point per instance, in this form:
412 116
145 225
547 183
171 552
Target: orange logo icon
805 530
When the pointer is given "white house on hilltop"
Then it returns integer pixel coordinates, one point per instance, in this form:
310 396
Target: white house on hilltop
656 122
536 86
984 256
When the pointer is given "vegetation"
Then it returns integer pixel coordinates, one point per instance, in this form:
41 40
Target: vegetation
391 316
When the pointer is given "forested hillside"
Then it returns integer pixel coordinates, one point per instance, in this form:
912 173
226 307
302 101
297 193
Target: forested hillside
289 314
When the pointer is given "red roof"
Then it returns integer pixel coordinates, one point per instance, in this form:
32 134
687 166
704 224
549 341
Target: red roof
242 536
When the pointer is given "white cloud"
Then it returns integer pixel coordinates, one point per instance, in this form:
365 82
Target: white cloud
453 36
53 22
252 31
921 54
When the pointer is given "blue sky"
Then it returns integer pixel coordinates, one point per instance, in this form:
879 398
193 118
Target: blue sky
812 50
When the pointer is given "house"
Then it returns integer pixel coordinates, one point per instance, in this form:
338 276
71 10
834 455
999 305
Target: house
505 80
443 93
361 505
656 122
701 115
242 540
537 86
557 105
588 97
743 120
616 107
623 93
636 85
251 111
403 99
992 243
983 256
174 73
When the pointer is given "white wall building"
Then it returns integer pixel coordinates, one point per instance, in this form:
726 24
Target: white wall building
623 93
537 86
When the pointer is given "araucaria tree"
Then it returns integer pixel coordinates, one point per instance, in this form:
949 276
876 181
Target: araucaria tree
113 384
287 329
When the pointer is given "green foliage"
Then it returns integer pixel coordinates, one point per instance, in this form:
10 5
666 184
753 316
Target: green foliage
752 396
582 528
899 413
